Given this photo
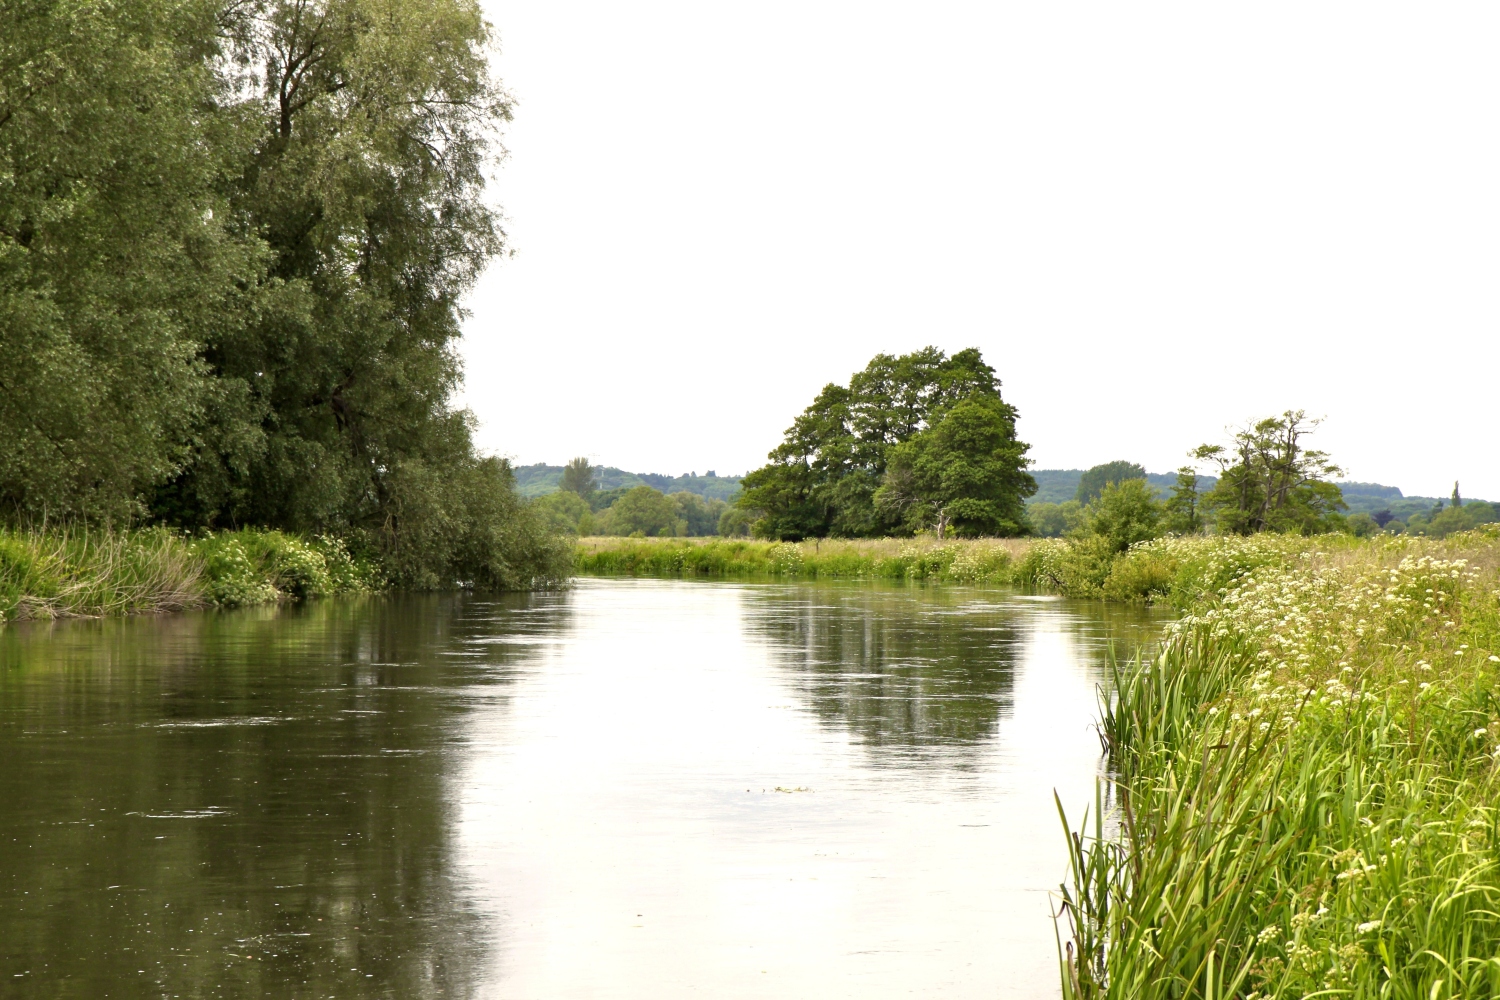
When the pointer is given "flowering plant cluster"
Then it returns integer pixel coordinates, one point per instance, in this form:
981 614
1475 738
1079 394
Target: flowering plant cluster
1307 779
253 567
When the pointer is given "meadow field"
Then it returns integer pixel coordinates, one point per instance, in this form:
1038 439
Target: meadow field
964 561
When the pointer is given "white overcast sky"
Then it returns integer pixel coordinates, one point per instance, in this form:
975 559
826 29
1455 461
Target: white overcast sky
1156 220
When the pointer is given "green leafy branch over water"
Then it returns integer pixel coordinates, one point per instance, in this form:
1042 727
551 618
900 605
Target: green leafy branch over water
1305 783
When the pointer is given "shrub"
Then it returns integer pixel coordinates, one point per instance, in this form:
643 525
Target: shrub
250 566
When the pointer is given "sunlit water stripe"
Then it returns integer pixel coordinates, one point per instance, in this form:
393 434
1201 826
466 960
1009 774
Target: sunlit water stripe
620 819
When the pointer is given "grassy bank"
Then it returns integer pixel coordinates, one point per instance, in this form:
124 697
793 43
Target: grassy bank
1306 781
70 573
1178 571
979 561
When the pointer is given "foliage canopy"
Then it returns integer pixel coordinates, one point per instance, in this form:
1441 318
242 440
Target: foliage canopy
1270 481
823 479
233 240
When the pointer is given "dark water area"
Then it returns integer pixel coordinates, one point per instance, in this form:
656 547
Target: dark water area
632 789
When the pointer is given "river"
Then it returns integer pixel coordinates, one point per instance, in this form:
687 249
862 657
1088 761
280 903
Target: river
633 789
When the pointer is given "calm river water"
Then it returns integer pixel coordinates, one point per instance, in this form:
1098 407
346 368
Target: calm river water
633 789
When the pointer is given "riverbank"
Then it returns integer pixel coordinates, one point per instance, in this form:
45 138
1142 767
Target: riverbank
957 561
1175 571
1306 782
81 573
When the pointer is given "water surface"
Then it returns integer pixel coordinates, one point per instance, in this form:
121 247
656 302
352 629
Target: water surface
634 789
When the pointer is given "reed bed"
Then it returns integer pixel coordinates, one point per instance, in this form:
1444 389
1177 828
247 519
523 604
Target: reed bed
954 561
1304 791
62 572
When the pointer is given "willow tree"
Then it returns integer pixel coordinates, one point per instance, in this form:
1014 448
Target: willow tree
234 237
363 126
114 255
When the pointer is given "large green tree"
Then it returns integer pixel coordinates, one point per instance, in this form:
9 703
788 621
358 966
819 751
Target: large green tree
115 260
822 479
234 235
966 471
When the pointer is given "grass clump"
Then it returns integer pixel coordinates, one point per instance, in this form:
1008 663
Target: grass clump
62 572
1305 788
57 573
953 561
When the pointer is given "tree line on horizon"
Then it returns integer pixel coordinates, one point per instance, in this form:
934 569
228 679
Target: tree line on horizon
923 442
580 507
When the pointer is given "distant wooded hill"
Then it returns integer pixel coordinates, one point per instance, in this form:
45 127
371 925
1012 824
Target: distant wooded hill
1053 486
1058 485
541 479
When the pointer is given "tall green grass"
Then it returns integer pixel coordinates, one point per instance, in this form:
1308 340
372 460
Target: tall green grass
56 572
1305 788
961 561
60 572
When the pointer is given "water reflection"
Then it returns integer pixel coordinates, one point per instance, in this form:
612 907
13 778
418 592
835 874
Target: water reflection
237 805
910 667
785 791
636 789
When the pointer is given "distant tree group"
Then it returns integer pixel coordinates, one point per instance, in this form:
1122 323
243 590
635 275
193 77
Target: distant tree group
913 442
1093 481
578 507
1269 481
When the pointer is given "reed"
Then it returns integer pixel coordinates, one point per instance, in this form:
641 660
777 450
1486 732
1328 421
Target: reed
50 573
61 572
952 561
1304 789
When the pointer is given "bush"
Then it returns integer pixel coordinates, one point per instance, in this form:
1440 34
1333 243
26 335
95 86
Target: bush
466 528
250 566
1142 574
1125 513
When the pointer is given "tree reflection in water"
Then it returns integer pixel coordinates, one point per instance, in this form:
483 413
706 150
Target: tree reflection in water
244 804
911 669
